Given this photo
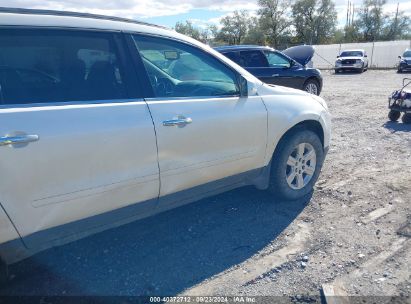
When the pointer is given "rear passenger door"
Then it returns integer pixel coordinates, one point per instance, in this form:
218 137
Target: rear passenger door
76 140
269 67
256 63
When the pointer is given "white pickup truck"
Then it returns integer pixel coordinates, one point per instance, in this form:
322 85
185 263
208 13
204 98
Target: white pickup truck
97 129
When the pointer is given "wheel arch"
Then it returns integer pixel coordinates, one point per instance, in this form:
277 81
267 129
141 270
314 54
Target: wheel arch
309 124
316 79
312 77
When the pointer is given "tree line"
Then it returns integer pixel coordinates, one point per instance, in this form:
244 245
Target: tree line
281 23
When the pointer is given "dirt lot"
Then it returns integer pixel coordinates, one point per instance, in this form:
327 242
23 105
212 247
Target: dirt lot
355 230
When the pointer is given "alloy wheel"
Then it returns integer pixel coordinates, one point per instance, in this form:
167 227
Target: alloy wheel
311 88
301 166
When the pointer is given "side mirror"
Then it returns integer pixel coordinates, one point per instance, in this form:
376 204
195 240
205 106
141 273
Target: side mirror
247 88
365 55
399 57
338 56
243 86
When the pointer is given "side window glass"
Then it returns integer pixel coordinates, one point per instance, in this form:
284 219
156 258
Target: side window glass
48 66
253 59
179 70
276 60
232 56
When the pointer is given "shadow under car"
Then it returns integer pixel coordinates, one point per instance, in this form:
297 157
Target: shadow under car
163 254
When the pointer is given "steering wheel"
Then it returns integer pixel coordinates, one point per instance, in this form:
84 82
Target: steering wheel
153 80
166 86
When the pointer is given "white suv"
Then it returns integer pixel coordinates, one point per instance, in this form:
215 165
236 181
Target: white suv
351 60
101 123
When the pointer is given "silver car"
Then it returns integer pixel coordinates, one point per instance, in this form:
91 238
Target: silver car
103 124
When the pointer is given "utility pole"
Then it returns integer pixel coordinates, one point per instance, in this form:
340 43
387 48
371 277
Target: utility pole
395 30
346 20
353 12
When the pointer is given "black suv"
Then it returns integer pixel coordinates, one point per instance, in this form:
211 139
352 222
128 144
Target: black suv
287 68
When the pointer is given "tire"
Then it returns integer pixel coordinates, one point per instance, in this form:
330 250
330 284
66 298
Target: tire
312 86
337 71
296 187
399 71
406 118
393 115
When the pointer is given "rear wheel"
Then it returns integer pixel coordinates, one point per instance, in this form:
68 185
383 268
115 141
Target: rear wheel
296 165
393 115
312 86
406 118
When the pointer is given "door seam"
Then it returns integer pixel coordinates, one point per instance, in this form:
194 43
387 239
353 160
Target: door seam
12 223
157 156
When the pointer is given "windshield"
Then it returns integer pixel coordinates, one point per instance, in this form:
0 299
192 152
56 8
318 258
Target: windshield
407 54
351 54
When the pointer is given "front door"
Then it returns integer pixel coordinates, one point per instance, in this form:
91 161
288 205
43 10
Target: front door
205 130
283 71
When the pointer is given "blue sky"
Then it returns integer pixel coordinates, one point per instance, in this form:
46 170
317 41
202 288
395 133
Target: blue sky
196 15
204 16
168 12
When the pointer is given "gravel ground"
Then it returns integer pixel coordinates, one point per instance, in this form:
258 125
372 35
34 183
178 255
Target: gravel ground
353 232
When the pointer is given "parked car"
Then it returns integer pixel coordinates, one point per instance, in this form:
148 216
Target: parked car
405 61
351 60
287 68
95 111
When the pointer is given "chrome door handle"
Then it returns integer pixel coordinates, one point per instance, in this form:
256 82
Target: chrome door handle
17 139
181 122
275 75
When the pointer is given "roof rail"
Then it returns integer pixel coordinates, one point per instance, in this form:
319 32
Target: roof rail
13 10
239 46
